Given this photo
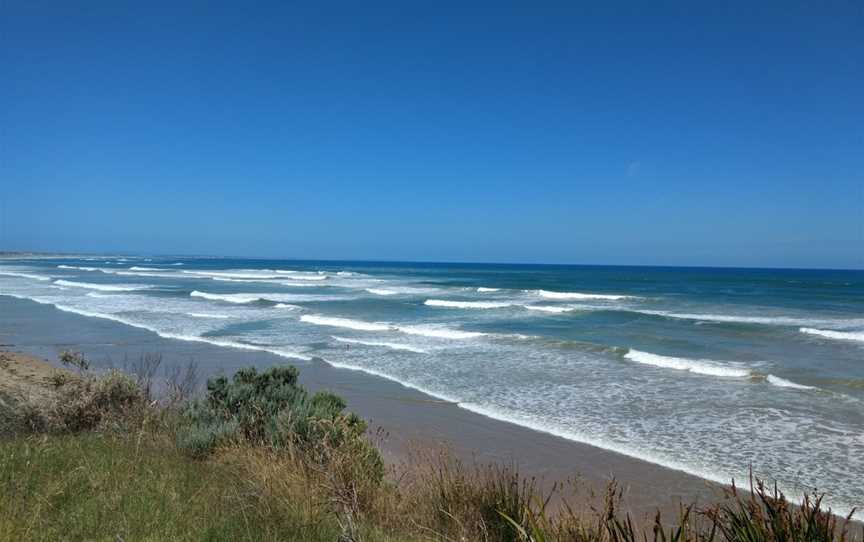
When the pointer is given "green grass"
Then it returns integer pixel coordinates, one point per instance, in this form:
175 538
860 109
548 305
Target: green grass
94 487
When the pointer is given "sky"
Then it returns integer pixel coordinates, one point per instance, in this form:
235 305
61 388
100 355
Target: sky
645 133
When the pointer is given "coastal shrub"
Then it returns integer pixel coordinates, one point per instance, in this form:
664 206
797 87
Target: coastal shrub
20 415
271 409
75 360
91 402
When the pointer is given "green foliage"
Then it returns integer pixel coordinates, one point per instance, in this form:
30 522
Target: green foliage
270 408
764 514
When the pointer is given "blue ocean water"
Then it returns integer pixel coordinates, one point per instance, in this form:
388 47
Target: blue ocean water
708 371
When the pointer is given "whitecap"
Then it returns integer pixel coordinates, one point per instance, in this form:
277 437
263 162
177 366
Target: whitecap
359 325
233 274
578 295
783 383
381 291
77 268
549 308
699 366
439 332
833 334
466 304
24 275
482 289
208 315
344 322
104 287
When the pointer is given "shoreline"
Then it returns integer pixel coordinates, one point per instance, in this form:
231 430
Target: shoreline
409 417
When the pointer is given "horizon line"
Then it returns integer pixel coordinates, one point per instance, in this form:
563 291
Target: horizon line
5 254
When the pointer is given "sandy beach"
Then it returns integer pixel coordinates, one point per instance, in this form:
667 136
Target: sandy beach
409 418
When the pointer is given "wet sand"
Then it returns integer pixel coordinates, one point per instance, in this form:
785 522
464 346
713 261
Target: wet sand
410 418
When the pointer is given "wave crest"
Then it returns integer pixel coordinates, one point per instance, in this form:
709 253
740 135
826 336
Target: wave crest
466 304
833 334
698 366
578 295
104 287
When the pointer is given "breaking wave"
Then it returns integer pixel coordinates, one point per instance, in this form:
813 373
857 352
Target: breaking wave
831 334
466 304
359 325
783 383
77 268
698 366
104 287
24 275
381 291
578 295
549 308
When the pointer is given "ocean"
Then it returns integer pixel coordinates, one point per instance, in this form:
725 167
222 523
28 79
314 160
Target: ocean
707 371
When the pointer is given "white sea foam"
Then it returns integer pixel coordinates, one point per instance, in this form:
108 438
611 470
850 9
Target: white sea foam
783 383
359 325
136 268
24 275
578 295
77 268
381 291
482 289
699 366
393 346
466 304
264 296
346 274
234 275
749 319
293 275
208 315
104 287
439 332
367 370
142 274
833 334
549 308
344 322
287 306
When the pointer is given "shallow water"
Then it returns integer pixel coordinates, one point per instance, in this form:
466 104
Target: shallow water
702 370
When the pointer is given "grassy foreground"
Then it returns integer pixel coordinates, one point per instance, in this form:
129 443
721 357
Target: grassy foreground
258 458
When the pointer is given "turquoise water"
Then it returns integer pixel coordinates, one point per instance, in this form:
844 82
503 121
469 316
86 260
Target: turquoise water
707 371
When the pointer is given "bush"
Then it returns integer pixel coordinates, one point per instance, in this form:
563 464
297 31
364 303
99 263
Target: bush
88 403
272 409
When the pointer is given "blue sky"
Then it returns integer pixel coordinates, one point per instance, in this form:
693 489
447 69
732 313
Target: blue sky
644 133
